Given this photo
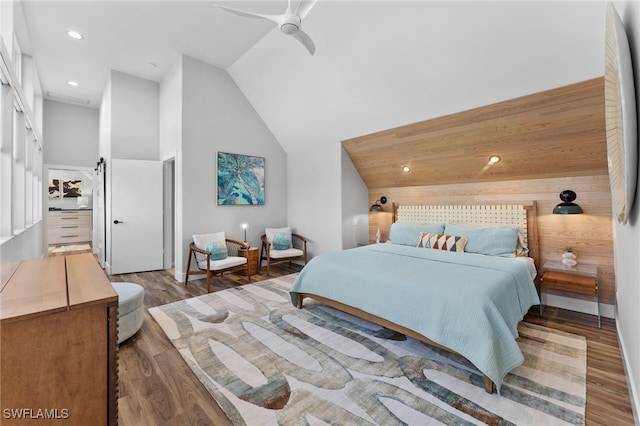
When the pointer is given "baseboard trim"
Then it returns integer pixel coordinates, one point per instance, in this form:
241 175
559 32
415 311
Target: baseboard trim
578 305
634 395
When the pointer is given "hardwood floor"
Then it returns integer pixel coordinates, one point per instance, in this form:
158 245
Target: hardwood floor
158 388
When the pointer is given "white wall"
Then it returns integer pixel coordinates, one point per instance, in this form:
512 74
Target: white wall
627 239
70 133
104 123
134 117
217 117
170 111
355 213
28 245
315 197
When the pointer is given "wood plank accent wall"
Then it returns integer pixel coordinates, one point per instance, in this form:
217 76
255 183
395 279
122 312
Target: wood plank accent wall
548 141
555 133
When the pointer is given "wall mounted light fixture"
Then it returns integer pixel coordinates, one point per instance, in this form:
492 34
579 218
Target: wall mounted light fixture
376 207
567 206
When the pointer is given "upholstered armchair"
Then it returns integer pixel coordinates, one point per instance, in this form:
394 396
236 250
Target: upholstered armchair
214 255
280 244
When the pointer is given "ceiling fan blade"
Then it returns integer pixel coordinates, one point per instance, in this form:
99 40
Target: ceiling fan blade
274 18
306 41
304 7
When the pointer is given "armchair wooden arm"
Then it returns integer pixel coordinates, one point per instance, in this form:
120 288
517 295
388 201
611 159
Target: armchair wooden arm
234 245
298 242
202 255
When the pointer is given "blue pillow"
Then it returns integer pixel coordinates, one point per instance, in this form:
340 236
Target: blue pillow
408 234
281 241
217 249
491 240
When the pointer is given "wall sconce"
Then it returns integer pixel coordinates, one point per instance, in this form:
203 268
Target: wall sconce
376 207
567 206
244 227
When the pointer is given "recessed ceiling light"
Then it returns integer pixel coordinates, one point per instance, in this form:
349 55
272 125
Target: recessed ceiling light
75 34
494 159
72 83
406 169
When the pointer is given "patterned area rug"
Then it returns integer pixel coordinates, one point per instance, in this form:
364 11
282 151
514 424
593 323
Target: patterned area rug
268 363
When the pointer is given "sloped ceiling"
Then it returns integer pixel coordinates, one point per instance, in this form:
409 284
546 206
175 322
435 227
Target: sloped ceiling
380 65
555 133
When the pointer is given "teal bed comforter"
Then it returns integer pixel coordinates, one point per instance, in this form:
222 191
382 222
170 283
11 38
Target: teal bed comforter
468 303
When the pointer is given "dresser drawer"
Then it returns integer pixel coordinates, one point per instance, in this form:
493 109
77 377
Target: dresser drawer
69 226
69 234
61 218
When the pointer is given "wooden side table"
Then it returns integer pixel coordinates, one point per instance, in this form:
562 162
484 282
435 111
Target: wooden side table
582 279
252 257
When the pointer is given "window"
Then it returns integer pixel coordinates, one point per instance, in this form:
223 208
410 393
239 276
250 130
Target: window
18 196
6 160
20 151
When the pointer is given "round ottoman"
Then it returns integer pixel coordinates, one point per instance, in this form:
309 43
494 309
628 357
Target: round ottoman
130 309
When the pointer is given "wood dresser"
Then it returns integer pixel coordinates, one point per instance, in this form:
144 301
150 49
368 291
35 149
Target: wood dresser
69 226
58 342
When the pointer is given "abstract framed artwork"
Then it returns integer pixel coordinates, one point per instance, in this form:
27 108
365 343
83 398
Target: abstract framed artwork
240 179
71 188
54 188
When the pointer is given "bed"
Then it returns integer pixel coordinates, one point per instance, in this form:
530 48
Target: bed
465 294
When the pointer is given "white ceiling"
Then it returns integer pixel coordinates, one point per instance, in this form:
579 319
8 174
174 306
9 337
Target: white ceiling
128 35
378 64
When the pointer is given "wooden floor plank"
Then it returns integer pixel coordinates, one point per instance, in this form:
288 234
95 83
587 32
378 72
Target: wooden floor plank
158 388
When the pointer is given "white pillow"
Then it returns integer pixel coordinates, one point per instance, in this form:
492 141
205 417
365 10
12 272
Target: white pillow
214 243
202 240
282 238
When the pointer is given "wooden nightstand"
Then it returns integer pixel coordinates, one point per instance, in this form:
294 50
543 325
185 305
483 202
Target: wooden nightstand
252 257
581 279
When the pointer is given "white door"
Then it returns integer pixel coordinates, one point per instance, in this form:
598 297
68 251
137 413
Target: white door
136 216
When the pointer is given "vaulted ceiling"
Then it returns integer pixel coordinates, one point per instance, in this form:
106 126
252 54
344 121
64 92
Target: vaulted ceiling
378 64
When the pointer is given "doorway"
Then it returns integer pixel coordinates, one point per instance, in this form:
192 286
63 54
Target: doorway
70 194
168 179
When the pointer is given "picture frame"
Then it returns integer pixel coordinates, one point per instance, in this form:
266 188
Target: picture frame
71 188
241 179
54 188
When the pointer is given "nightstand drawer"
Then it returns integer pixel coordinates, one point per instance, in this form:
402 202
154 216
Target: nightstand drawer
581 279
569 282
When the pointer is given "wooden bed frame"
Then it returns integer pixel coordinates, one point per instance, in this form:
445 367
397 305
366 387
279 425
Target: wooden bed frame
523 215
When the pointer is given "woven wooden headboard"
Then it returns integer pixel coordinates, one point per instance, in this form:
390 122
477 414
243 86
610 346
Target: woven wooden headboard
522 215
